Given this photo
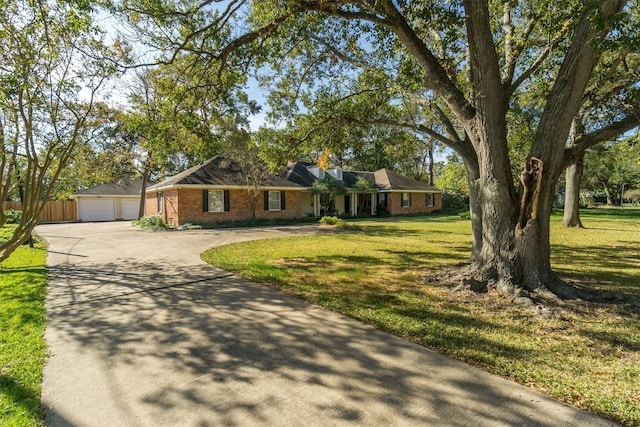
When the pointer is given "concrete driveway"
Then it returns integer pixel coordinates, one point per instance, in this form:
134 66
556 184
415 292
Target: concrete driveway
141 332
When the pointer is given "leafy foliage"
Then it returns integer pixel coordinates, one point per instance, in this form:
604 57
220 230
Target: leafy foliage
54 60
329 220
329 186
151 222
179 116
451 177
110 152
13 216
497 82
612 168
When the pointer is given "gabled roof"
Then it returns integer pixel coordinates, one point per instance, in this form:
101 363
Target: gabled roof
123 186
349 178
390 181
299 173
217 171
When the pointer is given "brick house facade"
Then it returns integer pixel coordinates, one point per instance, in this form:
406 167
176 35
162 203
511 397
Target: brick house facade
188 205
418 203
215 191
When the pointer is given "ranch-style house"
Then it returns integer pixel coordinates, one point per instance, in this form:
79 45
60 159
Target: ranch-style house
217 191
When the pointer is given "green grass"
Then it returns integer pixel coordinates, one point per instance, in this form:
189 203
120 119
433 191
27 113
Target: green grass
23 278
589 357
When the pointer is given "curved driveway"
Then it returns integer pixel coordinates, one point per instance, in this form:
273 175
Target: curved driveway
141 332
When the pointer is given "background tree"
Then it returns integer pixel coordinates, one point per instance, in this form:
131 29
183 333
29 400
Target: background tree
179 113
613 168
241 148
451 177
108 152
49 52
358 123
465 64
610 107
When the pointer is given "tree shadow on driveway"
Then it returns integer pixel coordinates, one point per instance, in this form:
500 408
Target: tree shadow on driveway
149 344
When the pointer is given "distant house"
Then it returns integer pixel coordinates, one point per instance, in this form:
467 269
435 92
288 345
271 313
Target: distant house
118 200
216 191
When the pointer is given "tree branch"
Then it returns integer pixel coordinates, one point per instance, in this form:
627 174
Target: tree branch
512 86
388 16
606 133
333 8
563 102
463 148
435 76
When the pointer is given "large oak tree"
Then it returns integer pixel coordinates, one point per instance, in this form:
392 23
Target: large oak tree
470 64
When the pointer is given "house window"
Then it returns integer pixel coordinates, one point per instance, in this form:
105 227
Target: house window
429 199
159 201
216 201
274 201
406 200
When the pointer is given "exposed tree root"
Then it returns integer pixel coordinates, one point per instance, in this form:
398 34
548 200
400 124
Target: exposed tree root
543 301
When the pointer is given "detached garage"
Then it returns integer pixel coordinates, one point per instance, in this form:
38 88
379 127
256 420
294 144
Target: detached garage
119 200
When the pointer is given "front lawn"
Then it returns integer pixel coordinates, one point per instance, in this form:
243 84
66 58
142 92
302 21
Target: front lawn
589 357
23 278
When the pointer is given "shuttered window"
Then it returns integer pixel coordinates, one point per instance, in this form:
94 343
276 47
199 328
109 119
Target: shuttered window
406 200
215 201
428 199
274 201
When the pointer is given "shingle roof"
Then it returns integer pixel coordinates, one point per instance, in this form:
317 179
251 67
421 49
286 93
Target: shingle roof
299 173
351 177
123 186
221 171
388 180
383 179
218 171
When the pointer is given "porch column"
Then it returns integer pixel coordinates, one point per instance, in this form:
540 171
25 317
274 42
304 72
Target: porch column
354 204
373 204
316 205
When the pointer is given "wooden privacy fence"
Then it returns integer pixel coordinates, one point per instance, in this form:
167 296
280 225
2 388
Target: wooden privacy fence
53 211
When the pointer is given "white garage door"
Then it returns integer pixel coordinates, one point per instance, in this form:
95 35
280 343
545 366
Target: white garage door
97 209
130 209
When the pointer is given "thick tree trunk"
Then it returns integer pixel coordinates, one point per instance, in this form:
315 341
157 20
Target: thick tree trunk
573 176
511 245
495 259
533 243
475 209
621 194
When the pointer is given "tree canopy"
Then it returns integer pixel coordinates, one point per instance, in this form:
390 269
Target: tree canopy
469 74
52 62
